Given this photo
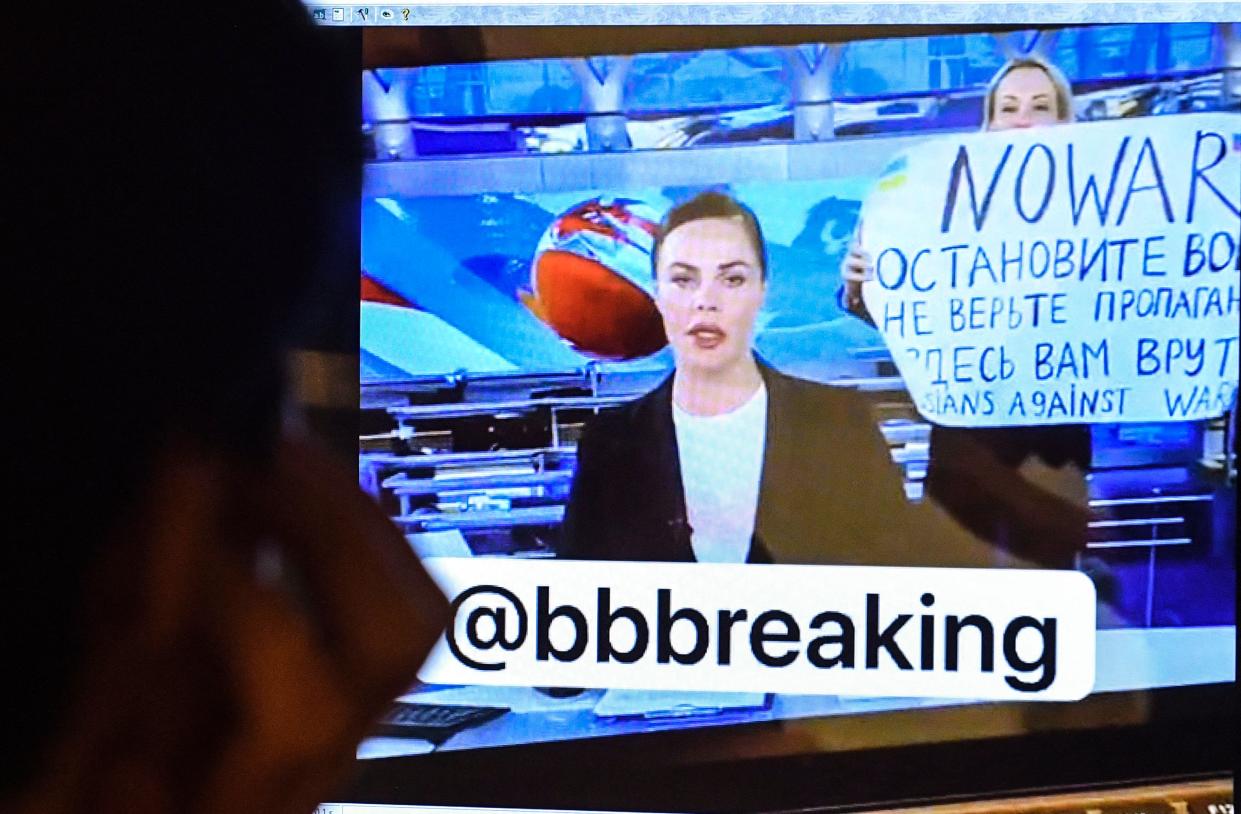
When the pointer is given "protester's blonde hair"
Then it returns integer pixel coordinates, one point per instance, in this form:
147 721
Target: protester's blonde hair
1064 91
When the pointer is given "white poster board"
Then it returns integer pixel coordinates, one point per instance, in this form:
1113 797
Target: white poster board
1073 274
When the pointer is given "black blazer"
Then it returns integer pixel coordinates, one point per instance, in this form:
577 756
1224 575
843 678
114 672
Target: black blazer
972 474
829 491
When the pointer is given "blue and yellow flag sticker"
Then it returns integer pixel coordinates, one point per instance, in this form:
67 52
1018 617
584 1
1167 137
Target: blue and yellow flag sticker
894 175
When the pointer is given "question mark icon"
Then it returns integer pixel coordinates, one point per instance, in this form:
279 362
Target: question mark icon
405 14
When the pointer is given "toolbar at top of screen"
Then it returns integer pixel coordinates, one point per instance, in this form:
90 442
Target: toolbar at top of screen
757 12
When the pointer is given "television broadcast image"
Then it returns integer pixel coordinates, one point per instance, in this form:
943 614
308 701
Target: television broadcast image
798 407
935 298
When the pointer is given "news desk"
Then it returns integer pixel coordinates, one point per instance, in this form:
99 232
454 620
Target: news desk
1126 660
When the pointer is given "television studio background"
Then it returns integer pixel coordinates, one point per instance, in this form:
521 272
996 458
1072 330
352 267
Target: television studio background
472 403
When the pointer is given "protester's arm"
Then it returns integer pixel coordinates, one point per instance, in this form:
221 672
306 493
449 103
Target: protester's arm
855 269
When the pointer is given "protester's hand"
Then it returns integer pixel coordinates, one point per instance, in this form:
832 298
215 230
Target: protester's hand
243 635
855 269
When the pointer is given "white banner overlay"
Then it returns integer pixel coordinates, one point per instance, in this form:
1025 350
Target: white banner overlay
833 630
1070 274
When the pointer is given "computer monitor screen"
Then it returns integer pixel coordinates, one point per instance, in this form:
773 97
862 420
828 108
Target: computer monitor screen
962 299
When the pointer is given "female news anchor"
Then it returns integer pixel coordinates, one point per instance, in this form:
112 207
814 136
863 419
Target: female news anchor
1020 488
729 460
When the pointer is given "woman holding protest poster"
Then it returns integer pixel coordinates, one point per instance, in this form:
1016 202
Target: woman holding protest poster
1021 488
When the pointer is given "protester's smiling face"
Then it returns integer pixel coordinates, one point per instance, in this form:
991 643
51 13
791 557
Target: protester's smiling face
709 289
1025 97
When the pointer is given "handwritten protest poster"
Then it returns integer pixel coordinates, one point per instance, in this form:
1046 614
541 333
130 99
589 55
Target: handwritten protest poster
1072 274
